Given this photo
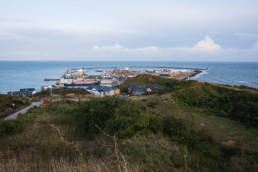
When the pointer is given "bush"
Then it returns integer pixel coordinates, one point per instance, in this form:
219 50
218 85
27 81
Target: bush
114 116
156 124
95 112
173 127
127 121
10 127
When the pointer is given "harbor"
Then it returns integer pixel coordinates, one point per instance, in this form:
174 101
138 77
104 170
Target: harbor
33 76
105 81
115 76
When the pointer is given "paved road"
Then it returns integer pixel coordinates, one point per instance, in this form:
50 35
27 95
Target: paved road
23 111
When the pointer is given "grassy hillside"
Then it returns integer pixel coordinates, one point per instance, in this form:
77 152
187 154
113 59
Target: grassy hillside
170 84
236 104
158 132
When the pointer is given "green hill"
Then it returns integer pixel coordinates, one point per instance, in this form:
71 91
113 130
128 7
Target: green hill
236 104
189 126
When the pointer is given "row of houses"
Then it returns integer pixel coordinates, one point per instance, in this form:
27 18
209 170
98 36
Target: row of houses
103 91
134 89
23 92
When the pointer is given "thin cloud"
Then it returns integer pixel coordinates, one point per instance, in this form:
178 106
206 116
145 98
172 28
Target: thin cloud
255 46
8 36
115 47
247 35
207 45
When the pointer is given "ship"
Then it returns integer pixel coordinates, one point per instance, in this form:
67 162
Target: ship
76 77
106 82
81 83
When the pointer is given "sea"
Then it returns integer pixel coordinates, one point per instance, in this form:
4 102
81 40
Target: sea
30 74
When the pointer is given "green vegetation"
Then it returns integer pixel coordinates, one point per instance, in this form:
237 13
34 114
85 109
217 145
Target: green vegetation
170 84
237 104
61 92
11 127
234 104
125 119
10 104
94 77
190 126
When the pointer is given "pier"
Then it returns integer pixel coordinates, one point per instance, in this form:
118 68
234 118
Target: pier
49 79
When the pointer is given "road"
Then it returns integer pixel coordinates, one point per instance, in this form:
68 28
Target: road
23 111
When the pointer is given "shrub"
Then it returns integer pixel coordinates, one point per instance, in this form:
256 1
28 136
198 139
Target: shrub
156 124
10 127
173 127
127 121
95 112
116 117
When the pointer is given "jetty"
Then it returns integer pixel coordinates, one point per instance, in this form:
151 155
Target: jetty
50 79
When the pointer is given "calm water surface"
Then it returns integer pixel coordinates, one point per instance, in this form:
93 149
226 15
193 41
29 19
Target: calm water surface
20 74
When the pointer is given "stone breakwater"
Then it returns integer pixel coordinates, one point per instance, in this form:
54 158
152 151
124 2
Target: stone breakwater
191 75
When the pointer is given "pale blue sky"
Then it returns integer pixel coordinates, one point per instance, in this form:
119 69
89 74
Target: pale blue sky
198 30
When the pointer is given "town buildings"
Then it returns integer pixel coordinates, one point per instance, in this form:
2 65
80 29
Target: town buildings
103 91
23 92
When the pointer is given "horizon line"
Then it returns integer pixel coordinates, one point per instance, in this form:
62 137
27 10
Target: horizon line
122 61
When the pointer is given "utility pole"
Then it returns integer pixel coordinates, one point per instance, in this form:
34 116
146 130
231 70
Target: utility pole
51 91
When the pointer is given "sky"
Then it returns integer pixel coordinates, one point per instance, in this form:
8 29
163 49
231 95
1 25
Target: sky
135 30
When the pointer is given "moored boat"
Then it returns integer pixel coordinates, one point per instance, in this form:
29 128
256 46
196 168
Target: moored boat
81 83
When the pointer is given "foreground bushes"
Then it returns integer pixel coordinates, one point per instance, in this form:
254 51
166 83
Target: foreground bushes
10 127
145 138
123 119
114 116
127 120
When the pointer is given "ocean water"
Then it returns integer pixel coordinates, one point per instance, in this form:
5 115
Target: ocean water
23 74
